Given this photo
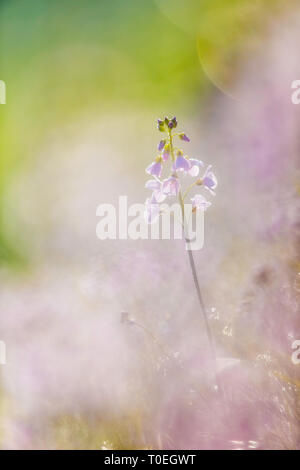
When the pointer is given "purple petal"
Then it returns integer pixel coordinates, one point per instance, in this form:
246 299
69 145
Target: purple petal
170 186
154 169
161 145
166 152
160 196
195 165
182 164
184 137
153 185
199 202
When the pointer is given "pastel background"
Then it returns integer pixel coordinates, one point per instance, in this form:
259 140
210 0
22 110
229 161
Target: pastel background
86 81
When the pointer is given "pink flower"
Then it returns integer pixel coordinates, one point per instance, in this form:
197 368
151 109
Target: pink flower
195 166
209 180
199 202
156 187
181 164
184 137
166 152
161 145
170 186
155 169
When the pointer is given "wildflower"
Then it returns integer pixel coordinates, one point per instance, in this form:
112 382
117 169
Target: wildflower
160 125
161 144
170 186
184 137
166 152
151 210
195 166
209 180
155 168
156 187
181 164
199 202
172 123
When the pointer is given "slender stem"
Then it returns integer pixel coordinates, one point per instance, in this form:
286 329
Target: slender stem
189 188
171 145
194 274
204 312
155 340
201 302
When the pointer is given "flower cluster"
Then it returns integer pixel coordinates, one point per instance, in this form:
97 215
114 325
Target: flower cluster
181 165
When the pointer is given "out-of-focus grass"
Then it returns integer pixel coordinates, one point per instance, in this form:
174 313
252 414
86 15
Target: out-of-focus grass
122 432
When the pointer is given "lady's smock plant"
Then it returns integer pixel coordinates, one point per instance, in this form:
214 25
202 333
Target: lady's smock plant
177 172
178 169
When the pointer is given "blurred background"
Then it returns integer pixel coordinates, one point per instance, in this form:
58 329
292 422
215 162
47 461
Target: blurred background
86 81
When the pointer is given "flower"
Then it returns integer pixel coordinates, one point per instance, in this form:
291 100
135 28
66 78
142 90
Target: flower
181 164
172 123
160 125
184 137
161 145
151 212
170 186
156 187
199 202
155 168
195 165
209 180
166 152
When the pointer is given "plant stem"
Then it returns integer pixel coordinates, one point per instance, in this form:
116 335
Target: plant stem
195 277
201 301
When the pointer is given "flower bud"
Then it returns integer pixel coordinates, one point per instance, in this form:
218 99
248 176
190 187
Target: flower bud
166 152
161 145
160 125
184 137
174 122
179 153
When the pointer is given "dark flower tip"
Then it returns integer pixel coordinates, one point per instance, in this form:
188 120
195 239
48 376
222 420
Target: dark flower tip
161 145
184 137
160 125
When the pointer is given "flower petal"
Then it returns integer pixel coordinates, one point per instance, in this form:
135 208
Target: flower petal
154 169
199 202
181 164
171 186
